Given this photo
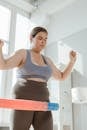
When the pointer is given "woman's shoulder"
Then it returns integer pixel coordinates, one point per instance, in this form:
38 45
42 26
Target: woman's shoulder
22 53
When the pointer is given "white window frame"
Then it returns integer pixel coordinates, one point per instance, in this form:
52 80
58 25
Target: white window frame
9 73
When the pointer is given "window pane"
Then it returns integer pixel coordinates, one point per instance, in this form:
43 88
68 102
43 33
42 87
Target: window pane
4 33
0 82
23 27
5 15
4 22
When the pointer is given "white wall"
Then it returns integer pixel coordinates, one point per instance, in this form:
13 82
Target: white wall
70 26
68 21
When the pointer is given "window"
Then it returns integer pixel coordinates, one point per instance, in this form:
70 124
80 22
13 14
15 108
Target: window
23 28
5 15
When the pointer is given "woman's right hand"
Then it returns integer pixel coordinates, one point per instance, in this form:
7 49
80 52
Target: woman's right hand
1 43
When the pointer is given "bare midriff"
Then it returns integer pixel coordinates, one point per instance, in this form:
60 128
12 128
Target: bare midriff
36 79
32 79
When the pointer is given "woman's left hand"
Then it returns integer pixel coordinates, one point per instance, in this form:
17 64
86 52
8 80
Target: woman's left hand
72 56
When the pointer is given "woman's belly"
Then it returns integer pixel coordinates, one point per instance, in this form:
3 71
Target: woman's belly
36 79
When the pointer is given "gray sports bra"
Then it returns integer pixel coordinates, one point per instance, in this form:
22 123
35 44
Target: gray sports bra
31 70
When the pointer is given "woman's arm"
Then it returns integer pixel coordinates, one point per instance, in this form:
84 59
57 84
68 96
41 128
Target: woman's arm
57 74
14 61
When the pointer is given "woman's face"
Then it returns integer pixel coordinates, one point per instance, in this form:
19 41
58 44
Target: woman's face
39 41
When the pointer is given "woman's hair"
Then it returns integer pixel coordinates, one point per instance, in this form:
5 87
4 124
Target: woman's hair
36 30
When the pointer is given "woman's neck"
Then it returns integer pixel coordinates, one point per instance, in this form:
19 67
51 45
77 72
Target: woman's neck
35 51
